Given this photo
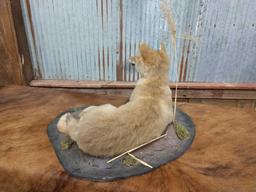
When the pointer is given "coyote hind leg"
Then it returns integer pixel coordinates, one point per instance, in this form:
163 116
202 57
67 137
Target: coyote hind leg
62 123
86 110
68 124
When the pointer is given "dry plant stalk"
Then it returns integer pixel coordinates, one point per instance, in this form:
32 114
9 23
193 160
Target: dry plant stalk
139 160
135 148
168 15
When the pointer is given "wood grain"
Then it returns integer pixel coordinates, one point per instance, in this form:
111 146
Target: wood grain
22 40
127 85
10 65
234 91
222 157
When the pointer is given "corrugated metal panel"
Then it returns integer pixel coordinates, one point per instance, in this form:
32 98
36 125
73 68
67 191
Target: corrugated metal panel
143 21
227 53
93 39
74 39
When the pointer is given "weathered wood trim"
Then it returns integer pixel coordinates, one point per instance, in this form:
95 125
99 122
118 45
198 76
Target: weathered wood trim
236 91
216 94
11 66
183 94
130 85
22 41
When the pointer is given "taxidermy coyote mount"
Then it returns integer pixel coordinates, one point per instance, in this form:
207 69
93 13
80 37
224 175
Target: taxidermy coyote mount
107 130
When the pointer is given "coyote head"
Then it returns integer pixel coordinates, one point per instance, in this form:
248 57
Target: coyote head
151 63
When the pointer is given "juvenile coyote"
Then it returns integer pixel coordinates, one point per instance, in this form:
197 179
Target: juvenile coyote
107 130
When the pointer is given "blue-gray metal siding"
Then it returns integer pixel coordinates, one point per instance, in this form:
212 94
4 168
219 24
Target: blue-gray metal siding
92 39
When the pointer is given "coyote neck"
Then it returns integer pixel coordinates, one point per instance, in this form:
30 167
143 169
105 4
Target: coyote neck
153 87
154 82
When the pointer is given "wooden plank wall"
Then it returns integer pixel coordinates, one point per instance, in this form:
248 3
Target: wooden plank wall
10 61
22 41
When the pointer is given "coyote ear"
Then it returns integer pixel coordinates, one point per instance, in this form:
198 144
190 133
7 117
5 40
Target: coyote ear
162 48
144 50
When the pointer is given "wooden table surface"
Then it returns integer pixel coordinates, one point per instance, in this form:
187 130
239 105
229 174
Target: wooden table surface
222 157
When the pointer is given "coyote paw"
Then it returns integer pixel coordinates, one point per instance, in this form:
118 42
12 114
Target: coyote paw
62 123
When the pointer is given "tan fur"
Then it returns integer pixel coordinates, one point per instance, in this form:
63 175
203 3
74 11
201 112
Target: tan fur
107 130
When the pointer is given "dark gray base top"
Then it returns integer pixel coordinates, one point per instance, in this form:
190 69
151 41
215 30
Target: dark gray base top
160 152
